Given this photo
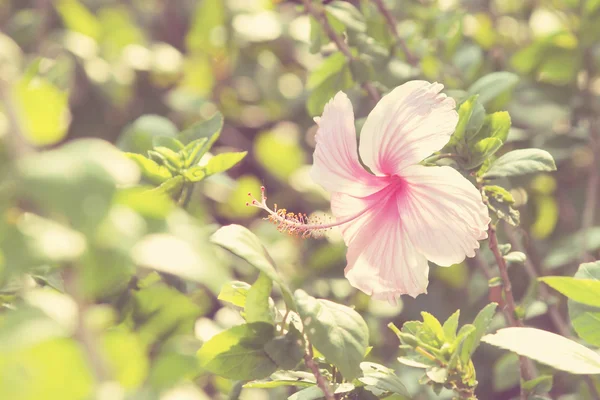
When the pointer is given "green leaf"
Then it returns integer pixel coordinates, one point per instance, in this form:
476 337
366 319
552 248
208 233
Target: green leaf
43 111
286 351
563 252
234 293
492 86
238 353
168 253
500 201
257 308
310 393
465 111
566 355
496 125
337 331
331 66
171 187
317 35
66 180
222 162
482 150
383 378
584 291
541 384
168 142
209 129
347 14
586 319
194 151
482 322
127 357
437 374
431 324
516 257
450 326
33 373
520 162
78 18
284 378
173 159
328 88
153 172
244 244
138 136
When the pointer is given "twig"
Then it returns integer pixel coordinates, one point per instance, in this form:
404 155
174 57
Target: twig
392 23
236 390
319 15
525 365
310 363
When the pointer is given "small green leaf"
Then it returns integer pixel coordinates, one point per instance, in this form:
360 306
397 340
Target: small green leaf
223 162
138 136
584 291
493 85
437 374
431 324
171 187
209 129
153 172
193 151
168 142
383 378
238 353
465 111
586 319
566 355
500 201
482 322
327 89
331 66
287 351
284 378
520 162
516 257
450 326
317 35
337 331
175 160
257 308
43 111
498 124
244 244
541 384
482 150
234 293
348 15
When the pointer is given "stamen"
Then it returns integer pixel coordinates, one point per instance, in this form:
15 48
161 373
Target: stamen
296 224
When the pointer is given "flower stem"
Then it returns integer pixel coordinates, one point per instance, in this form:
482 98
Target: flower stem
319 15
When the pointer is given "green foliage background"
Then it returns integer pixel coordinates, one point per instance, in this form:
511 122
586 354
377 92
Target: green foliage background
108 289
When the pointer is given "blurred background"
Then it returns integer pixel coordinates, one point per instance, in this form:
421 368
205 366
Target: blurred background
128 70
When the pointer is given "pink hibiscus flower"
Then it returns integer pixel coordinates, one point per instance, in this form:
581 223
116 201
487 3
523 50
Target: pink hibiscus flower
401 214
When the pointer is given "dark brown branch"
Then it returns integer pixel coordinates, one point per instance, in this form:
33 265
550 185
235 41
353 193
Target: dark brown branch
310 363
391 22
318 14
525 365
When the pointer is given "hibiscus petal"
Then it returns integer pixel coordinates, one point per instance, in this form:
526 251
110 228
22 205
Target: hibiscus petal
442 213
408 124
344 206
335 165
382 261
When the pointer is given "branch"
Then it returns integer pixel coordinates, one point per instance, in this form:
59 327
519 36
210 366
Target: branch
310 363
319 15
525 365
392 23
